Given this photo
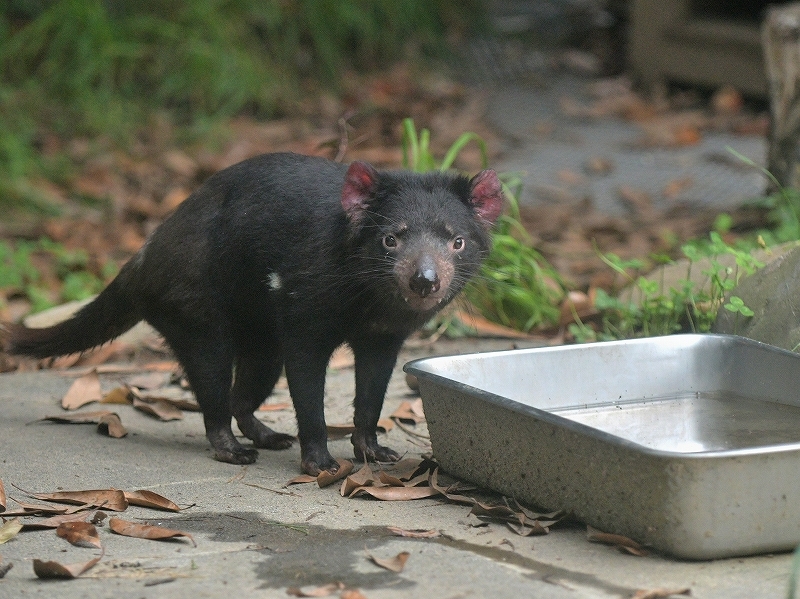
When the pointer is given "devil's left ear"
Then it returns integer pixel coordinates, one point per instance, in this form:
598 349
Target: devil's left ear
359 186
486 196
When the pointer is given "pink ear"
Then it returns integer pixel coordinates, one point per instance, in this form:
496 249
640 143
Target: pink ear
486 197
359 185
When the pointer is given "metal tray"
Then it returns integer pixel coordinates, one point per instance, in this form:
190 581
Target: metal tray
687 443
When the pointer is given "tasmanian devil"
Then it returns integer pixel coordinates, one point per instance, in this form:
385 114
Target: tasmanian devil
272 264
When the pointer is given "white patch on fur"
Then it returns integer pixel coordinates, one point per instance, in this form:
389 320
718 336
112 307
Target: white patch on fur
275 282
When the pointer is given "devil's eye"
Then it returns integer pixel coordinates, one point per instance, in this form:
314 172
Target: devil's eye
389 242
458 243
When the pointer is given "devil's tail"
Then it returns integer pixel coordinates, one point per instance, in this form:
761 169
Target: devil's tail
108 316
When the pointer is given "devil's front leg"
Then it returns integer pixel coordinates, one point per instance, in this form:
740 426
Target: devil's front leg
375 359
306 362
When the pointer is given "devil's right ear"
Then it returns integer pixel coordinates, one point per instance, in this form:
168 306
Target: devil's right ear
359 186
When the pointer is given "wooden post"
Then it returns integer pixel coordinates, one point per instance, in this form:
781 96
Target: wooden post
781 40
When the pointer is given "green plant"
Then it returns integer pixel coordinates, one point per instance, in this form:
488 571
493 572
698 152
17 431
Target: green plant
21 273
647 307
516 286
97 67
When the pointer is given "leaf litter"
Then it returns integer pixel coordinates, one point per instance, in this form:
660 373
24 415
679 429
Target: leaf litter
393 564
79 533
85 389
108 423
146 531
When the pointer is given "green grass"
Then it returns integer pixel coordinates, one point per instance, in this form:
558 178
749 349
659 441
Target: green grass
103 68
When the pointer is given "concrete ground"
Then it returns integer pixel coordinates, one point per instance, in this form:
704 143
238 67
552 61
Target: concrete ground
256 538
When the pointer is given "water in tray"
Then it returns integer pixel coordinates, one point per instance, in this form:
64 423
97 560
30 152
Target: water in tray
694 422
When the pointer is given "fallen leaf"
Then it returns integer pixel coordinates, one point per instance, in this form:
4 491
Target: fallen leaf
338 431
144 498
149 380
80 534
394 564
2 497
160 409
108 423
323 591
111 425
79 417
31 509
85 389
486 328
388 493
55 570
385 425
9 530
621 542
359 479
274 407
146 531
677 186
410 412
110 499
660 593
118 395
174 396
302 479
325 478
96 517
417 533
342 358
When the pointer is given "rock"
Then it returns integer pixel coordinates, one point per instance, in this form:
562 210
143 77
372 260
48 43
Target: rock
773 293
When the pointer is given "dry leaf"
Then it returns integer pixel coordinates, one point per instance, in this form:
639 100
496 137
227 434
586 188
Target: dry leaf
80 534
302 479
325 478
110 499
486 328
85 389
144 498
32 509
413 534
2 497
359 479
55 570
111 425
160 409
79 417
338 431
274 407
621 542
394 564
396 493
323 591
149 380
342 358
146 531
385 425
410 412
118 395
108 423
95 517
174 396
660 593
9 530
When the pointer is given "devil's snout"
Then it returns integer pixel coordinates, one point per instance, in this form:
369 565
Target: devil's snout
425 280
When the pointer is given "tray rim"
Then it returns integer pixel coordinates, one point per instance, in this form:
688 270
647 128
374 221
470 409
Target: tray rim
416 367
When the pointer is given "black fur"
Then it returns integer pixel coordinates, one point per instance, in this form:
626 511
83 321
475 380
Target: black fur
275 262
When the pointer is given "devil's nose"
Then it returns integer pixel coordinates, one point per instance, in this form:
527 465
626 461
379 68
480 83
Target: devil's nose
424 282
